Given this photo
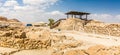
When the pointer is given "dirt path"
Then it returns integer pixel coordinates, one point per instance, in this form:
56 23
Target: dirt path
94 38
8 51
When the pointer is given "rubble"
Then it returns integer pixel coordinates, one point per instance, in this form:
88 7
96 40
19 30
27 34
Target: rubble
93 50
22 43
32 38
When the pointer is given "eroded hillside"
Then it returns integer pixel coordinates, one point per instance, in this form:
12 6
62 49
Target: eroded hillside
73 38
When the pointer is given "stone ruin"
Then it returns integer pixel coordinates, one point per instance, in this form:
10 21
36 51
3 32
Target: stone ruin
20 39
34 38
44 38
92 26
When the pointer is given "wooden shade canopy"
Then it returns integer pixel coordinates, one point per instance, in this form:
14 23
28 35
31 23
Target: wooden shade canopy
76 13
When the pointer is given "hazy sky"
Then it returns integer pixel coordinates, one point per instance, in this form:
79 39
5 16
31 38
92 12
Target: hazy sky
42 10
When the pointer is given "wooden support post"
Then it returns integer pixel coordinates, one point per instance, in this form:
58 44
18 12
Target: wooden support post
80 16
67 16
86 17
75 16
72 16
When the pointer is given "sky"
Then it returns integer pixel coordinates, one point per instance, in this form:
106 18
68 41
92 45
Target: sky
42 10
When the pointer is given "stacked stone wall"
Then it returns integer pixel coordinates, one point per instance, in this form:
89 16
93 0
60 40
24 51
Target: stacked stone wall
23 43
111 29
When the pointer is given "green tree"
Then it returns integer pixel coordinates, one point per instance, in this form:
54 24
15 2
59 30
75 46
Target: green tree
51 22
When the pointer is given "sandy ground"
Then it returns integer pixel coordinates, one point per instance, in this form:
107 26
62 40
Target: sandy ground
87 38
33 52
24 52
94 38
4 50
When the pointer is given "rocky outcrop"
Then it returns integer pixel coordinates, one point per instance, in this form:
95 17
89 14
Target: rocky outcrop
5 19
71 24
94 50
13 20
12 32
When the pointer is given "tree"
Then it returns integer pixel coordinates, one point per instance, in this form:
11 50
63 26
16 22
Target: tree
51 22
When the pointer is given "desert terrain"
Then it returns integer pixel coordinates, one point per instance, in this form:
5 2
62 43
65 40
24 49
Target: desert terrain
69 37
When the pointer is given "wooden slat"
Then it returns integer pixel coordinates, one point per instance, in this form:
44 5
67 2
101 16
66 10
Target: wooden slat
77 13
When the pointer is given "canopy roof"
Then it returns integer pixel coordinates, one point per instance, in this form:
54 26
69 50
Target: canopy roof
76 13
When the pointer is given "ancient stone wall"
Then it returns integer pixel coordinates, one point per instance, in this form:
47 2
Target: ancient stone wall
17 38
110 29
92 26
29 38
23 43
